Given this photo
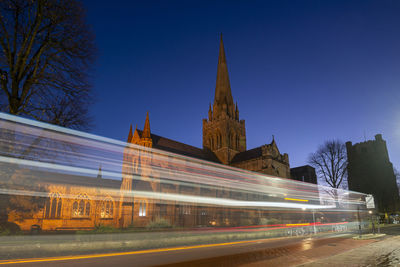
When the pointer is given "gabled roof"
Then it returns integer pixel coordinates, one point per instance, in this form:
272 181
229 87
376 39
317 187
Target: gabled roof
33 177
173 146
247 155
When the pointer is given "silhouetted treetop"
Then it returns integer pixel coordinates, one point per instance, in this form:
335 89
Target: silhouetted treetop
330 162
46 53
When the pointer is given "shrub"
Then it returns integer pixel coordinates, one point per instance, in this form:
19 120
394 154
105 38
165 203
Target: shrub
104 229
9 228
274 221
269 221
246 221
158 223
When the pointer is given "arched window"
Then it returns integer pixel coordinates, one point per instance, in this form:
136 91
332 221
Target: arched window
107 208
48 205
53 210
87 209
81 206
185 209
53 206
237 142
59 206
75 208
142 208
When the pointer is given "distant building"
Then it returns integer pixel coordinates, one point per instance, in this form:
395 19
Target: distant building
371 172
304 173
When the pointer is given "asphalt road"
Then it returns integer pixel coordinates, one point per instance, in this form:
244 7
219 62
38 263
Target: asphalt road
228 254
274 252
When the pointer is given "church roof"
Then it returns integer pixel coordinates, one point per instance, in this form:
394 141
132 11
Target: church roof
247 155
173 146
47 177
142 185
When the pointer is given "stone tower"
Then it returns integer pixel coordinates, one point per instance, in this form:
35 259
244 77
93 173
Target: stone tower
223 132
370 171
134 164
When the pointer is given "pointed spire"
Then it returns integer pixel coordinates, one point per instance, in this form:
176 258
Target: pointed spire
221 56
136 135
237 112
130 135
223 94
146 128
99 174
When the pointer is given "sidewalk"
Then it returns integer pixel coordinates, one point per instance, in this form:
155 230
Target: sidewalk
385 252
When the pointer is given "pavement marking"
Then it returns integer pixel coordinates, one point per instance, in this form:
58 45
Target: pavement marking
296 199
298 224
120 253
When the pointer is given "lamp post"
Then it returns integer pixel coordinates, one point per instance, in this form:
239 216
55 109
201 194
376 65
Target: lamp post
372 221
359 222
313 215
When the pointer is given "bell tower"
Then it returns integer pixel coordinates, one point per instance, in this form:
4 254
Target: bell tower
223 132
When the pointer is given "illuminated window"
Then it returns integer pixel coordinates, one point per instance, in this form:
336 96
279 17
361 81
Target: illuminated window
142 208
53 206
185 209
107 208
81 206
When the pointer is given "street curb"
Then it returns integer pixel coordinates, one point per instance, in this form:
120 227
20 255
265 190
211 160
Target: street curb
368 236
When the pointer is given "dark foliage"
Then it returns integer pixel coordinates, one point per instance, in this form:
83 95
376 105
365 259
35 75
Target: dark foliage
45 57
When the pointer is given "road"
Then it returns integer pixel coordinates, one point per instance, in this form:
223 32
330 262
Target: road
227 254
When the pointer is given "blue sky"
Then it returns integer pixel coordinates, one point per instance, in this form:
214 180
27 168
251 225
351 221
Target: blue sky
304 71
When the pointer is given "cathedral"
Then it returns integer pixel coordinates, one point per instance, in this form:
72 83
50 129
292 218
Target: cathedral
224 142
72 205
224 135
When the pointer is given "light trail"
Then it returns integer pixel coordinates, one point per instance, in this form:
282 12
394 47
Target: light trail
123 253
142 185
296 199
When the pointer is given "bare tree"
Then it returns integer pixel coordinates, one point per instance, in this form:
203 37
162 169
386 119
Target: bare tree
330 161
46 50
45 58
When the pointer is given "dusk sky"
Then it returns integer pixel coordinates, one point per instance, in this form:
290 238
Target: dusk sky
304 71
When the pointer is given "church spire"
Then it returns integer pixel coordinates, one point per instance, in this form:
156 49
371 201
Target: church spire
136 136
130 135
223 94
146 128
99 174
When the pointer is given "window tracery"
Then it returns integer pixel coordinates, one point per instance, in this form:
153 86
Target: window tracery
107 208
53 206
81 206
